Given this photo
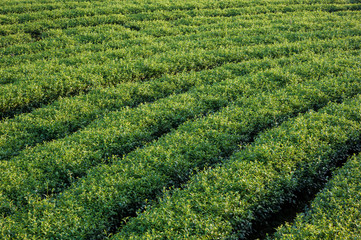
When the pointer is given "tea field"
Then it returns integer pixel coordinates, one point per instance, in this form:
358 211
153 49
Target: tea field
193 119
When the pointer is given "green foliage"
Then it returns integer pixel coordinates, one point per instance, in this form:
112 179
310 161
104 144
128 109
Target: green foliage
127 116
68 115
78 62
51 167
109 194
225 202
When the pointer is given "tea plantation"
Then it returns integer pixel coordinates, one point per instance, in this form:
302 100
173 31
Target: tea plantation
192 119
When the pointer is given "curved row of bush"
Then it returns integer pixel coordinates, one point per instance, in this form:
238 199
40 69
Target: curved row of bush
157 28
98 203
24 95
227 201
165 27
335 211
95 63
54 43
132 9
71 10
67 115
59 46
126 7
60 77
49 168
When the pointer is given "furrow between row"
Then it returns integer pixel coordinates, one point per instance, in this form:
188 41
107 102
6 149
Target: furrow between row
334 213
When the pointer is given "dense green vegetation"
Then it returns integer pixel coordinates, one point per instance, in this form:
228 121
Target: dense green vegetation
162 119
68 115
227 200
